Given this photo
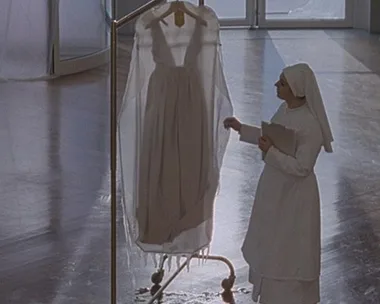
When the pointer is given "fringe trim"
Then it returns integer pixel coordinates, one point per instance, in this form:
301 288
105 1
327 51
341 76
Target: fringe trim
158 258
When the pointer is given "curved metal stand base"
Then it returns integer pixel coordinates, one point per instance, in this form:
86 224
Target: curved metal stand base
157 277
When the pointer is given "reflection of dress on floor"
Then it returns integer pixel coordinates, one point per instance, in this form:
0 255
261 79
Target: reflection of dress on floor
172 137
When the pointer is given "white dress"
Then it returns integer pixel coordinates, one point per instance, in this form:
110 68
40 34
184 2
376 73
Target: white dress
282 245
171 134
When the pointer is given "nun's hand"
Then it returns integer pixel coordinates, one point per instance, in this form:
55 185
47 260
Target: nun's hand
233 123
265 143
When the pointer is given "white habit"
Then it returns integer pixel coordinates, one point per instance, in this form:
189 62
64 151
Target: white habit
282 244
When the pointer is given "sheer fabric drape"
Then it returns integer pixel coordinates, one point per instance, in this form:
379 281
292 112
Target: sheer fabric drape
171 135
25 39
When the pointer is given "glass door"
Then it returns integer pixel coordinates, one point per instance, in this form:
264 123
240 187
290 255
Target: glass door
232 12
81 35
305 13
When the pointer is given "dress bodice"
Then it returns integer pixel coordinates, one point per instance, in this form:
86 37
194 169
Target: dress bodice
162 52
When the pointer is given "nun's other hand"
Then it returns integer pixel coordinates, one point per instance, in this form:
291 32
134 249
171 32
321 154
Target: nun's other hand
233 123
265 143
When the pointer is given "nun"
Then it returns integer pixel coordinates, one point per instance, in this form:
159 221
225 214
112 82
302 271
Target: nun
283 243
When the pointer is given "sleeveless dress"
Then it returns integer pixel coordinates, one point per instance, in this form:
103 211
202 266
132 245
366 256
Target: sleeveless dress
171 133
176 147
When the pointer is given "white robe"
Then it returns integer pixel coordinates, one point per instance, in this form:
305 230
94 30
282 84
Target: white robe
171 133
282 244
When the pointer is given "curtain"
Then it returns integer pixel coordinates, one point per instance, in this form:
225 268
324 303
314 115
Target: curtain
25 39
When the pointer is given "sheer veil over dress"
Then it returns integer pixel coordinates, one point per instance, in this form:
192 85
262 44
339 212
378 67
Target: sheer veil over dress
171 135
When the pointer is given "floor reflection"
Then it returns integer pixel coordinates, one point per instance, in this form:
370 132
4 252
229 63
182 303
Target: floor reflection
54 224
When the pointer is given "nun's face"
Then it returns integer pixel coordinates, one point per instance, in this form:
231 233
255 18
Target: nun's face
283 89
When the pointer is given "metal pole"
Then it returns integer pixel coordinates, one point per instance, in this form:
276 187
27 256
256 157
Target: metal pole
113 160
113 133
201 2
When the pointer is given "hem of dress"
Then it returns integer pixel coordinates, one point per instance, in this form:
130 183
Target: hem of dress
168 252
203 255
303 279
257 281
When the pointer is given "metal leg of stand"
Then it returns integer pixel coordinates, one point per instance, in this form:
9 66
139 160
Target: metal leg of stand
227 283
158 276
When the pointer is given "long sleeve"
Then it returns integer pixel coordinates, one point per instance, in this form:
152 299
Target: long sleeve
309 145
250 134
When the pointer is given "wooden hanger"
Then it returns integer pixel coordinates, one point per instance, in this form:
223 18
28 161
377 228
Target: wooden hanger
179 9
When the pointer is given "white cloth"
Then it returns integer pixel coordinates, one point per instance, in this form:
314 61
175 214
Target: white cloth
303 83
250 134
171 133
283 239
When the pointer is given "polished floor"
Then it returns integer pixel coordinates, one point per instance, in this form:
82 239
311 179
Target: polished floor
54 220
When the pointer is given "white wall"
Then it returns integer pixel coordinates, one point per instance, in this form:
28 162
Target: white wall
362 14
366 15
375 14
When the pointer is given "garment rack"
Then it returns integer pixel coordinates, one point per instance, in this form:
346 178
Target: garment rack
157 277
